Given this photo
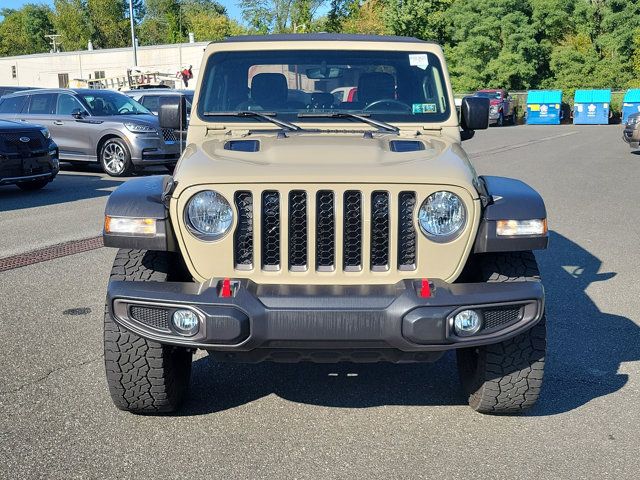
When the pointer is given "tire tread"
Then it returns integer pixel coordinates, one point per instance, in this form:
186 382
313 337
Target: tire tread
143 376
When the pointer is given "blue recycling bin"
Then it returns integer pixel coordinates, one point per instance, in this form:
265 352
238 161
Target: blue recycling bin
544 107
630 104
591 107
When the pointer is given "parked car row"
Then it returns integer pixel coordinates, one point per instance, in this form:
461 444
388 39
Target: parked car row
101 126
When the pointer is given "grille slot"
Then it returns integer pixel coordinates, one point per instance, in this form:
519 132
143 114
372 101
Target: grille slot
297 230
270 230
406 231
157 318
379 231
352 231
243 236
500 316
325 230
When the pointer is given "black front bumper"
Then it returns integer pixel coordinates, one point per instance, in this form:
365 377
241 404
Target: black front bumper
28 166
326 323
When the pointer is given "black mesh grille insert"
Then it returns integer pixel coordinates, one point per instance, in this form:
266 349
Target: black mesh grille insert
352 230
13 142
379 230
169 135
297 229
325 230
157 318
271 229
243 236
500 316
406 231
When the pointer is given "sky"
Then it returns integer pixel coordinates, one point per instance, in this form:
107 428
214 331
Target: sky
231 6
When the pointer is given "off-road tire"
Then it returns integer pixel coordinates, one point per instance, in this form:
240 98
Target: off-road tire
144 376
33 185
506 377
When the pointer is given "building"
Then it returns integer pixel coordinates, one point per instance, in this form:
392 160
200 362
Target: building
82 68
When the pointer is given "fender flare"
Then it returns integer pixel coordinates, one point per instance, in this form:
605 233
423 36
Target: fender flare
508 199
142 198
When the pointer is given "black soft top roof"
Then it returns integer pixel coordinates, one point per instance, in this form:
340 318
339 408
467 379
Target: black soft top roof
335 37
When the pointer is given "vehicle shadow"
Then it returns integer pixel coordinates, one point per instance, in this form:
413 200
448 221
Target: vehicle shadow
585 349
66 187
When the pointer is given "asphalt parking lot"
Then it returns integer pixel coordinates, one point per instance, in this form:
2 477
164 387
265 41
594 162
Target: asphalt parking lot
298 421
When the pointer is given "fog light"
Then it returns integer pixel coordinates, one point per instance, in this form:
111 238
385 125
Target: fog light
186 322
467 322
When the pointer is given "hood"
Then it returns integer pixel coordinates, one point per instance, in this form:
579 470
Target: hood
10 126
495 101
148 119
326 158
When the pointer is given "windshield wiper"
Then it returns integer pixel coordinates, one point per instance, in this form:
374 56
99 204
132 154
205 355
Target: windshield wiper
268 116
362 117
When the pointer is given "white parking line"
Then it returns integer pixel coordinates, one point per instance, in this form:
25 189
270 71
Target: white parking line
507 148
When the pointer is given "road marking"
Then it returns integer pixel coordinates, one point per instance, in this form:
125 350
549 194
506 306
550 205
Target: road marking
507 148
49 253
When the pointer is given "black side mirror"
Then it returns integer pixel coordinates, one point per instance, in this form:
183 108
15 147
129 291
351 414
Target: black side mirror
172 112
78 113
474 113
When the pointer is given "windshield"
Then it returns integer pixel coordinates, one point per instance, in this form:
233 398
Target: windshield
390 86
105 103
497 95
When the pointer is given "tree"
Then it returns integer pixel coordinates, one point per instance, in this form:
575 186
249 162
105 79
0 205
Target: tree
366 17
279 16
23 31
338 12
110 23
425 19
208 20
493 44
162 22
71 21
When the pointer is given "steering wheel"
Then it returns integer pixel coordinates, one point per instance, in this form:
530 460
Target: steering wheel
124 110
387 101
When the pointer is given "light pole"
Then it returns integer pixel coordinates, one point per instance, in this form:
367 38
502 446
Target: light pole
133 35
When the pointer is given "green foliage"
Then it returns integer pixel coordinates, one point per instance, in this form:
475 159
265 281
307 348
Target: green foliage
367 17
515 44
71 21
425 19
208 21
338 11
110 23
23 31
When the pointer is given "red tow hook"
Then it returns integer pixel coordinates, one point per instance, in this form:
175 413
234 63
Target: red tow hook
425 290
225 290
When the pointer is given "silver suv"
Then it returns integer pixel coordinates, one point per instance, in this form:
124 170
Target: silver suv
96 125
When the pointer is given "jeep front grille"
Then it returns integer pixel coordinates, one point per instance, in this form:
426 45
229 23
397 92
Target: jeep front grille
351 230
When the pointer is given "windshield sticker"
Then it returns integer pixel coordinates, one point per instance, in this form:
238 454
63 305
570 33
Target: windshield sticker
424 108
420 60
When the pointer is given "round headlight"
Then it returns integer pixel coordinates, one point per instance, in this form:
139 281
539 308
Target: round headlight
442 216
208 215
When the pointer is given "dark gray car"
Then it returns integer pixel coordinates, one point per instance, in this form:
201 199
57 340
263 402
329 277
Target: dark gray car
96 125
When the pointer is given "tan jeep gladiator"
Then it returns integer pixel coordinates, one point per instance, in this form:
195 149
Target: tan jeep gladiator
305 225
